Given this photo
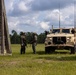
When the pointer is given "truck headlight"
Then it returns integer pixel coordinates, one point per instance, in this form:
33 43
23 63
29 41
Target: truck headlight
50 39
68 39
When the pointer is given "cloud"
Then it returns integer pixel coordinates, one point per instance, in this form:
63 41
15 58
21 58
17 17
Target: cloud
24 7
39 15
20 8
66 17
40 5
9 5
44 25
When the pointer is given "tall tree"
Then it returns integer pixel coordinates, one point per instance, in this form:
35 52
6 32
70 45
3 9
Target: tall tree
41 38
15 39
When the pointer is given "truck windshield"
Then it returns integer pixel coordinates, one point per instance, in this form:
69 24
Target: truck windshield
65 31
56 31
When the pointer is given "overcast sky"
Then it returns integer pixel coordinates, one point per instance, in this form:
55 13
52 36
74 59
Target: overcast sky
39 15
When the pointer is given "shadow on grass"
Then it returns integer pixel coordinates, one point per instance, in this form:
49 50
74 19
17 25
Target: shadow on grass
43 52
40 52
57 56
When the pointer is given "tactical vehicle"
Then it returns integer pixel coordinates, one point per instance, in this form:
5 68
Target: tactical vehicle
61 38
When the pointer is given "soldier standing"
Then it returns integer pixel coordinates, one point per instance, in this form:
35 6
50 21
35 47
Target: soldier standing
23 43
34 42
73 31
46 32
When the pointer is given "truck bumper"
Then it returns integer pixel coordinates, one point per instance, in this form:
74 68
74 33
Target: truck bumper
60 46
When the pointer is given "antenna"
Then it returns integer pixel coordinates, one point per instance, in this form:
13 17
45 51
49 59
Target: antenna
52 27
59 14
74 14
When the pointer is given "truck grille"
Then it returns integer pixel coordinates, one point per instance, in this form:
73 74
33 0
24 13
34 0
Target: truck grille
59 40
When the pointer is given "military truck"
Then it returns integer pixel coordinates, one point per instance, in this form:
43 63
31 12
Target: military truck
61 38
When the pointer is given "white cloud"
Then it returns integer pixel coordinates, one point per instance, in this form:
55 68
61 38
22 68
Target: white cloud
13 25
66 17
23 16
9 5
44 25
22 6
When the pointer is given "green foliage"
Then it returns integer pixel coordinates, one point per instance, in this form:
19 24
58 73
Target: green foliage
58 63
15 38
41 38
29 37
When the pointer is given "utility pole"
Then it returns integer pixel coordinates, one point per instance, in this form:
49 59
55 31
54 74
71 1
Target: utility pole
4 34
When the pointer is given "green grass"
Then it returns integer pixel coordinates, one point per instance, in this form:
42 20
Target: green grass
58 63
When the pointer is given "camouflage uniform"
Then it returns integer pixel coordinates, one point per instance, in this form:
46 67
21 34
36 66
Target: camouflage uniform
73 31
34 42
23 44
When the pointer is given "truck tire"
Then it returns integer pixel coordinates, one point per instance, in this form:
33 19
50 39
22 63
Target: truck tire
49 50
72 50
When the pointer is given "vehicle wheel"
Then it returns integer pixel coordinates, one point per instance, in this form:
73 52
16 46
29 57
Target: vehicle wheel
47 49
52 50
72 50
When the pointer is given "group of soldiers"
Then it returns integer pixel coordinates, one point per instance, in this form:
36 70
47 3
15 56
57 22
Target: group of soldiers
24 43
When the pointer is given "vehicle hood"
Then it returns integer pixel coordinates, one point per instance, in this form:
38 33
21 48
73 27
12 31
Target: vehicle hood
60 35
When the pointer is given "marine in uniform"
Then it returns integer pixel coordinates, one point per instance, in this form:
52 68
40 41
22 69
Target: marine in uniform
34 42
23 43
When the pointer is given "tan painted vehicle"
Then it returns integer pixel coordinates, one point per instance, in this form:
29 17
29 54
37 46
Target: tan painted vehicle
60 39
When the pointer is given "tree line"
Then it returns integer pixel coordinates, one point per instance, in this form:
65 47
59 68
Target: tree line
15 37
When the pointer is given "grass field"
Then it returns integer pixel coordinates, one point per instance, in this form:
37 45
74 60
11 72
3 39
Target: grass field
58 63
